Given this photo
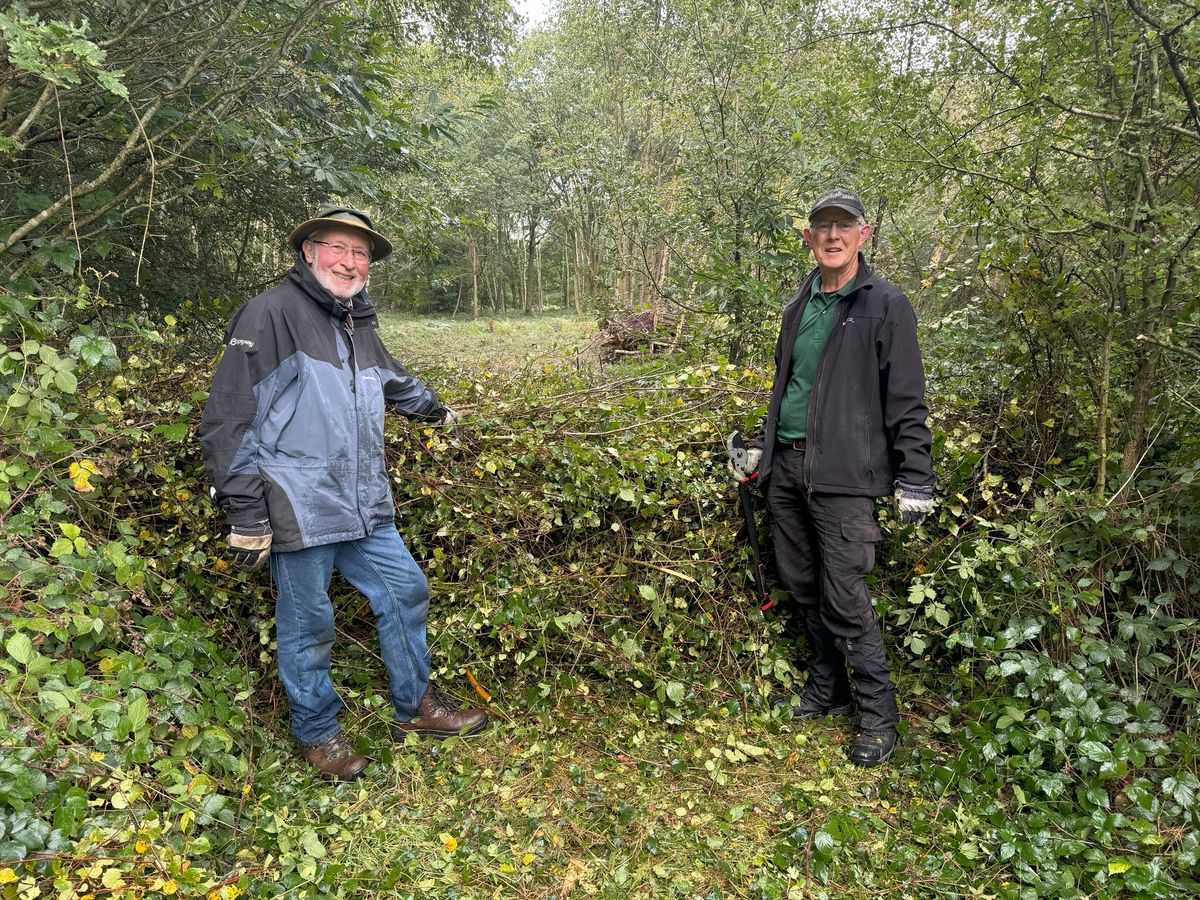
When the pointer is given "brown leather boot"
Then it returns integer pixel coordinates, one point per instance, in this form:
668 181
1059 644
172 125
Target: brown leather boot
439 717
336 758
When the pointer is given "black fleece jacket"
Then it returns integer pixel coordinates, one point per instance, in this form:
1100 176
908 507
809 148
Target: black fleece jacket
866 419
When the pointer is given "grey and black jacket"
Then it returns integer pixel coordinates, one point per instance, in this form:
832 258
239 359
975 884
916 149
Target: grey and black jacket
866 425
293 427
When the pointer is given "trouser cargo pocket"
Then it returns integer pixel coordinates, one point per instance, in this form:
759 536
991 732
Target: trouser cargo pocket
862 537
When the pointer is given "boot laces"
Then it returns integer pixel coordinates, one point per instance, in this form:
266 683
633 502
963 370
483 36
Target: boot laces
441 699
337 746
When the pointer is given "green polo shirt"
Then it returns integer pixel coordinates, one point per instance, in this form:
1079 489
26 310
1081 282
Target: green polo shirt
811 337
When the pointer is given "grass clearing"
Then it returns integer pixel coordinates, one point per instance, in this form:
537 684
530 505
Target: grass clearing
520 342
584 796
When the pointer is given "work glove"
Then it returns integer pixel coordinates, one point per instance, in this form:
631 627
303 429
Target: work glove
449 417
913 502
743 460
251 544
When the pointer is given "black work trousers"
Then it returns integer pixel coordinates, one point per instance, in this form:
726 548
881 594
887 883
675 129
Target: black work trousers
824 549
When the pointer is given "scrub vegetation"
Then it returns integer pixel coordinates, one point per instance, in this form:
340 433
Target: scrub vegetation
1031 169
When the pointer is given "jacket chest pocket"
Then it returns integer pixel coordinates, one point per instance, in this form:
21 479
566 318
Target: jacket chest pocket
319 414
370 396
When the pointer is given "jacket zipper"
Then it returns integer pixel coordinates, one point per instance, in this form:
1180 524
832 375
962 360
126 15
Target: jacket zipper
348 328
816 397
789 339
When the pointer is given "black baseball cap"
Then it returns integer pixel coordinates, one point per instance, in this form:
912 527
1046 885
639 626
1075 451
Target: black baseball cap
841 199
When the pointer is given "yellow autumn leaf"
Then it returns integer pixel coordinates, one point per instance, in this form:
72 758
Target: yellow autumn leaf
80 473
7 876
449 842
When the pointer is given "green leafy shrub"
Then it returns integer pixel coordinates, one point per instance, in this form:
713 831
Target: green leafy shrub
581 539
125 712
1064 626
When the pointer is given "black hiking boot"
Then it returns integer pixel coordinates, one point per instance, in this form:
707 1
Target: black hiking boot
809 709
873 748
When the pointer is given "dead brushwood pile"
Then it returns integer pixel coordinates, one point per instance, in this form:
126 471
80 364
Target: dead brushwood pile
641 333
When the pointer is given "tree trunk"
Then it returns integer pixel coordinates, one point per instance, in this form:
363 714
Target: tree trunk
539 296
578 266
1139 409
532 274
473 251
1102 417
565 270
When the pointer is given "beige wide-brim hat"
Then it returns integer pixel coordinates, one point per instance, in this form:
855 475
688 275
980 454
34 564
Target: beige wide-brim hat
344 217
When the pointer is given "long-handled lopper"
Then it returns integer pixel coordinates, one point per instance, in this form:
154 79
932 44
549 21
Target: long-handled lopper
736 448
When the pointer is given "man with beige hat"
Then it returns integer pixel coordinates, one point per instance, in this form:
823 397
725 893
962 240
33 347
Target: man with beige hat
293 444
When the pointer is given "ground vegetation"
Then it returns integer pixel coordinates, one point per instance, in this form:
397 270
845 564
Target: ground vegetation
1031 170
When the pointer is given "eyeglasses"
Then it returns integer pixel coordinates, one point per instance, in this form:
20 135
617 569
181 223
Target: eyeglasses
359 255
843 226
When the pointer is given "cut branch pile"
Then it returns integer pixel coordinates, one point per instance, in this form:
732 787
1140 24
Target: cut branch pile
647 332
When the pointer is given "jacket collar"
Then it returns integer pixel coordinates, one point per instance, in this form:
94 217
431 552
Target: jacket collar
301 275
864 279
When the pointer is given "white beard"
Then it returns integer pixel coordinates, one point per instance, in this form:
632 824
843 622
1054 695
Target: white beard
340 288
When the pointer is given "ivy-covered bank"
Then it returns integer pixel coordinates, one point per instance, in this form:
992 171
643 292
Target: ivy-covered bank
582 546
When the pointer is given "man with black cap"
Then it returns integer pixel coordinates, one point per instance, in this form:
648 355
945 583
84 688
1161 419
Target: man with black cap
846 424
293 444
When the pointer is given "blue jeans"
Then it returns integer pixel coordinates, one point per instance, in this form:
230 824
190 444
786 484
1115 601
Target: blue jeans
379 566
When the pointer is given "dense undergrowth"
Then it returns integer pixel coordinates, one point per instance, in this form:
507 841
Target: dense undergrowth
582 546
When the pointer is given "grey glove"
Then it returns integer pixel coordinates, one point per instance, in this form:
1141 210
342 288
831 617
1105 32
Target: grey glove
251 544
914 502
449 417
743 460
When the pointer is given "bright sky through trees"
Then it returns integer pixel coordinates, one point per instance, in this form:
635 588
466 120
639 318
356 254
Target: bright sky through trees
534 12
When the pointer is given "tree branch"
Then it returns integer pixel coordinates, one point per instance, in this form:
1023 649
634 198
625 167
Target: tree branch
1187 351
131 142
1165 38
36 111
219 105
1109 117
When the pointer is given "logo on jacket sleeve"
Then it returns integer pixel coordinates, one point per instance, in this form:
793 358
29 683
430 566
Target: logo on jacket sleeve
240 342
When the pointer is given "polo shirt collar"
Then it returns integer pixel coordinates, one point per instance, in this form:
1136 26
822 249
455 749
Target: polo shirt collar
841 292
